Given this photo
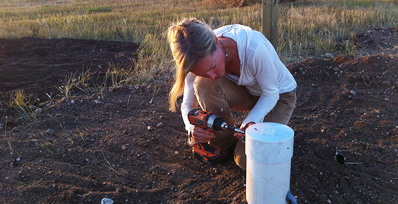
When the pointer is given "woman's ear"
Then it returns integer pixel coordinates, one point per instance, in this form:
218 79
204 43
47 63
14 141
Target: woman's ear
217 42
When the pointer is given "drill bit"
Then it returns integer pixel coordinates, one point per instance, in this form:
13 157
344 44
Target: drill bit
236 129
228 127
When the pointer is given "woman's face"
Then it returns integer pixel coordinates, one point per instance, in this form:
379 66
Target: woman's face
211 66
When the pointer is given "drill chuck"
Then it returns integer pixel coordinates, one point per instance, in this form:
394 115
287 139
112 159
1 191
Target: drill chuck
214 122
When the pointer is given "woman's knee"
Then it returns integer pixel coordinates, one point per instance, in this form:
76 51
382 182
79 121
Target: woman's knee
204 87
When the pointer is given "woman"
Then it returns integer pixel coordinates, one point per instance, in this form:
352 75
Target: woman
230 68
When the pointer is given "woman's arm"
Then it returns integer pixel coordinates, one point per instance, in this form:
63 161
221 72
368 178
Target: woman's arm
264 71
189 101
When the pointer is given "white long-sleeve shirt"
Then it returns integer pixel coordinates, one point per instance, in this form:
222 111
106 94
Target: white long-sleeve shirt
262 73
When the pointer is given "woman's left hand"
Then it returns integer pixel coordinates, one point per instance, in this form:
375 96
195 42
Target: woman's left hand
240 135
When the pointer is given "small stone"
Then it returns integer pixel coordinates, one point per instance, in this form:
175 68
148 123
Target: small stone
176 152
72 102
107 201
97 101
149 128
387 83
160 125
38 111
50 131
124 147
18 159
329 55
354 93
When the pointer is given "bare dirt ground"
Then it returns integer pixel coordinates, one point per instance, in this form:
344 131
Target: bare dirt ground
125 145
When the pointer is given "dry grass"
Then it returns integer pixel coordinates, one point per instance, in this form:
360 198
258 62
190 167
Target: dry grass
21 103
76 81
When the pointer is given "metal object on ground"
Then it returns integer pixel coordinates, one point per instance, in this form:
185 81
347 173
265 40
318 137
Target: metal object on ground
341 159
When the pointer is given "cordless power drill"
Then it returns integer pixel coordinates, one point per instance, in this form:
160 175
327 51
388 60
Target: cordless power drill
207 120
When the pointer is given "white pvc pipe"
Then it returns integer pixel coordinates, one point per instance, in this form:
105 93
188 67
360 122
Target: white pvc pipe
269 150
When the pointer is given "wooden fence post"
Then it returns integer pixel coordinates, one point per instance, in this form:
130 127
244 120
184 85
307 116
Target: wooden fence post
270 21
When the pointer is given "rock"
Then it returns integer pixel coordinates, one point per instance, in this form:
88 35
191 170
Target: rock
149 128
160 125
329 55
38 112
386 83
50 131
107 201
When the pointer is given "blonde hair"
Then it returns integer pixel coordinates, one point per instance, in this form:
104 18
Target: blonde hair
189 41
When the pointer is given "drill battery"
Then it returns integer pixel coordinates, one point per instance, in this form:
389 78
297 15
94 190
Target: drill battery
207 153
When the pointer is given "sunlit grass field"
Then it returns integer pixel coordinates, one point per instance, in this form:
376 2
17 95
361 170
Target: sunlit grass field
306 27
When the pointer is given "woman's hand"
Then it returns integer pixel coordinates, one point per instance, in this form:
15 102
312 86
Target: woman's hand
240 135
201 135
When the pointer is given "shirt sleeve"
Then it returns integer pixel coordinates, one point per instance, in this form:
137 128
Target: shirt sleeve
264 72
189 101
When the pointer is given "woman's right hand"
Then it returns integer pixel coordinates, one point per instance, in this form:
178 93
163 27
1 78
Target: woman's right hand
201 135
241 135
